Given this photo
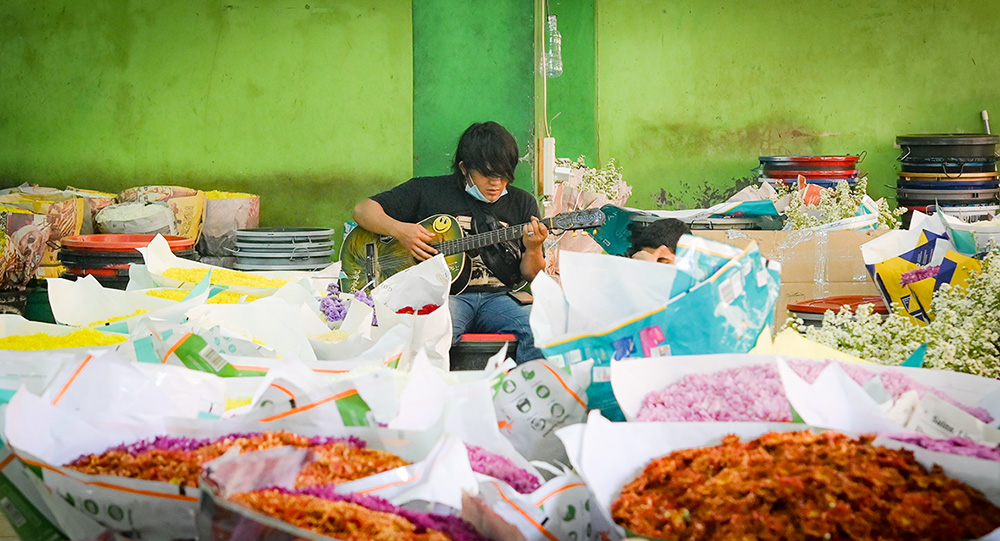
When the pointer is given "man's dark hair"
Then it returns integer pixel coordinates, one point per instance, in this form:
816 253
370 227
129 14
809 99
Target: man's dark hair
662 232
488 148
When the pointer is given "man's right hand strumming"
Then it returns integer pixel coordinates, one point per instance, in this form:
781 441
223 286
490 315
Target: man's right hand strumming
414 237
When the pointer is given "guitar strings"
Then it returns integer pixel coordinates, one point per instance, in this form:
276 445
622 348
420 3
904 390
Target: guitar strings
501 235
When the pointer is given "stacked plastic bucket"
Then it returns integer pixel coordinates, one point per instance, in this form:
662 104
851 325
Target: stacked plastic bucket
283 249
108 257
953 173
824 171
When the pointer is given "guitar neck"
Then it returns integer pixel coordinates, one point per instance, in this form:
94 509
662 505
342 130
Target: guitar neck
479 240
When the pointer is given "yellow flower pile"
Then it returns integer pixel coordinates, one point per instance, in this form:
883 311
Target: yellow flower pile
216 194
334 335
75 339
222 297
233 403
116 318
14 210
223 277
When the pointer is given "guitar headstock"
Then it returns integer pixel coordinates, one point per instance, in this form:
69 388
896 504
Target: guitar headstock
578 219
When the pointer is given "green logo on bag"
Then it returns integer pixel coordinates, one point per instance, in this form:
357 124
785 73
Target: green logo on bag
91 507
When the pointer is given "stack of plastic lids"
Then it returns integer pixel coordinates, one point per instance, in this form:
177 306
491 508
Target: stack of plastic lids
107 257
743 223
283 248
811 312
824 171
953 173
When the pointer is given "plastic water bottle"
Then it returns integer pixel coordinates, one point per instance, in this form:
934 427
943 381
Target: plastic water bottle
553 53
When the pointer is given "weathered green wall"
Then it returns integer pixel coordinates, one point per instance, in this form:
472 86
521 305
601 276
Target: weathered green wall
316 105
308 104
691 93
472 62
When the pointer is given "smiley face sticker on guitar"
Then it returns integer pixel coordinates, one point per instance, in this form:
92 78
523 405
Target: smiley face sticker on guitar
441 225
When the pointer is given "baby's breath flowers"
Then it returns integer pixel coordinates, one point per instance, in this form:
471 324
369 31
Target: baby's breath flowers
963 337
607 181
835 204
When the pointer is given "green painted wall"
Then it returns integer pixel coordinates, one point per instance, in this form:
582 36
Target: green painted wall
691 93
472 62
308 104
572 97
314 106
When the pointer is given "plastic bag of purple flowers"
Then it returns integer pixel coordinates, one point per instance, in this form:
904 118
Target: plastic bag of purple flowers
335 309
252 496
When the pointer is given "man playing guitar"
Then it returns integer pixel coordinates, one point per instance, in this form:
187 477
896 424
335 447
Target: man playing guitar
477 191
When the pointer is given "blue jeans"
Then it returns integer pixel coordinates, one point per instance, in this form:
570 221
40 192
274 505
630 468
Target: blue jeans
495 313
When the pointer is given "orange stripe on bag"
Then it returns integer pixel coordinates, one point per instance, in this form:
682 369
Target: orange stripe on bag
7 461
390 485
143 492
71 379
307 407
176 345
250 368
542 501
282 389
563 383
110 486
526 516
393 359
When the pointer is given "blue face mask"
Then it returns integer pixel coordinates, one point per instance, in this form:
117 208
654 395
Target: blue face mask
473 190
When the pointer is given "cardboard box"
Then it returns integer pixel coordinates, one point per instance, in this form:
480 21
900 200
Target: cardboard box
814 264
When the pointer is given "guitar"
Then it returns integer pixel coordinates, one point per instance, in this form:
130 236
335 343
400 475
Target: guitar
366 258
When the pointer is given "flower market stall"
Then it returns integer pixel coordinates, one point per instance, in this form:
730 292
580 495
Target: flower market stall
674 401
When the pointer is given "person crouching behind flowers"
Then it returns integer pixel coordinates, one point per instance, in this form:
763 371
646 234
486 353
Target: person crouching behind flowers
658 241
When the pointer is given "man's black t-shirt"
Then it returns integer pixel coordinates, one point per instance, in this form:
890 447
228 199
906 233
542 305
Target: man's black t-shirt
422 197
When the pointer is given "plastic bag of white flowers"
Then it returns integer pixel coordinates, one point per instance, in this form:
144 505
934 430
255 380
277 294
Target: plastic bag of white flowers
582 187
812 207
962 336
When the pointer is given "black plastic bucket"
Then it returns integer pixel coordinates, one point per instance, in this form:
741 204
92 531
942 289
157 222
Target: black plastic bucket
948 145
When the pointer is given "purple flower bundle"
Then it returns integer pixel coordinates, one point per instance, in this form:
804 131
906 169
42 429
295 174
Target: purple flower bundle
954 445
502 468
749 393
179 443
335 309
331 305
918 274
454 527
895 382
363 297
755 393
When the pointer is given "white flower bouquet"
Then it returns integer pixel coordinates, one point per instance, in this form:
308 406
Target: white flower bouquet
585 188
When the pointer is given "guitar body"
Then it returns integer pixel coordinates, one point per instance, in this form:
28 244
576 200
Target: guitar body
366 259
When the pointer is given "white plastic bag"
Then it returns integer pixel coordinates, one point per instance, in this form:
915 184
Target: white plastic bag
423 285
